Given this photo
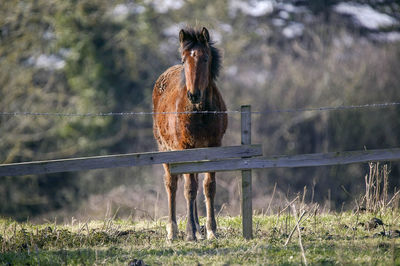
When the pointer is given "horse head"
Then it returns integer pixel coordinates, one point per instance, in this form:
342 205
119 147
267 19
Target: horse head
196 60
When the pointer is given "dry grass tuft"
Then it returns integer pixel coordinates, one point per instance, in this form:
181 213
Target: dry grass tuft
376 198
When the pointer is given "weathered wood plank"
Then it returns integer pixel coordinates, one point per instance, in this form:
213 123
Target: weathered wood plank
304 160
246 202
127 160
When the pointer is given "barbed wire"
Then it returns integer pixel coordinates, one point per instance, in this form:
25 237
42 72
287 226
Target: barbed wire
329 108
312 109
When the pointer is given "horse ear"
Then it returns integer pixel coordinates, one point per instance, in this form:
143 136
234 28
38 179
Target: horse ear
205 34
182 36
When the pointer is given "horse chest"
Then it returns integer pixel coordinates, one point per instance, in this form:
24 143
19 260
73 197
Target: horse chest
201 130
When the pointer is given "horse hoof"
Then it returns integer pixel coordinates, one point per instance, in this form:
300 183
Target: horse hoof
191 238
199 236
211 235
172 231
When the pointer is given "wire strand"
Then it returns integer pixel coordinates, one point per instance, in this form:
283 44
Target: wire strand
272 111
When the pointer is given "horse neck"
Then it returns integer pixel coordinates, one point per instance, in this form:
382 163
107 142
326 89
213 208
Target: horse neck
210 92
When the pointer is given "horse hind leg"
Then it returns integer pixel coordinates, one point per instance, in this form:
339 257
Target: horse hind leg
191 186
209 187
171 185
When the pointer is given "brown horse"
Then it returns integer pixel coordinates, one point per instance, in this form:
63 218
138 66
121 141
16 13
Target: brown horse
180 92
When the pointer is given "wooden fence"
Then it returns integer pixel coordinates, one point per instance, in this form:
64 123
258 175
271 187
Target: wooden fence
244 157
128 160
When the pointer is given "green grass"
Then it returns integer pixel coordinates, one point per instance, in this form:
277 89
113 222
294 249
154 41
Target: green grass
340 238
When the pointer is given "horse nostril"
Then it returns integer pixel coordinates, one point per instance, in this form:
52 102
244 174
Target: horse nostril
194 97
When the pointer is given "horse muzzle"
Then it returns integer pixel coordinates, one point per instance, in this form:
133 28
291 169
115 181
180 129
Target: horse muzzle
194 98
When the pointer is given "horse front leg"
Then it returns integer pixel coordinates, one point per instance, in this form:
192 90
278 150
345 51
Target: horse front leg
209 187
191 185
199 234
171 185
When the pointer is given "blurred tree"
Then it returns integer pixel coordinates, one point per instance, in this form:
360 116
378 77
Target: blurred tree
104 56
106 66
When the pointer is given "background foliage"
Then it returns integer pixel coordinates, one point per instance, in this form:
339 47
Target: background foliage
103 56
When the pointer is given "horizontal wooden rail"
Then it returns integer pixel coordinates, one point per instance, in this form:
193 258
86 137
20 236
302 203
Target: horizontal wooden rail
127 160
304 160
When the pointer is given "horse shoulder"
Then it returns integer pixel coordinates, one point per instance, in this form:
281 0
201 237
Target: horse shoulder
165 92
170 77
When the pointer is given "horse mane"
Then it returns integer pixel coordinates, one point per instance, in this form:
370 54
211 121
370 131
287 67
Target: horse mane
194 39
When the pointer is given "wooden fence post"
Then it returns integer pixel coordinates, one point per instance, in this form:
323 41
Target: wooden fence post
247 208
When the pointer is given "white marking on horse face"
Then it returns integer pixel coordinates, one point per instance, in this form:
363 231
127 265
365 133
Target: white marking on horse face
192 53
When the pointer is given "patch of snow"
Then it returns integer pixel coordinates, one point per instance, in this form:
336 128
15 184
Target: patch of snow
225 27
365 15
171 44
291 8
173 30
163 6
64 52
261 32
293 30
284 14
47 61
278 22
216 37
253 77
386 36
261 78
254 8
287 7
122 11
169 47
231 70
345 40
49 35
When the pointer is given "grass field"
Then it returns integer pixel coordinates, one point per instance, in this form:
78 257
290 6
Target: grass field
336 238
